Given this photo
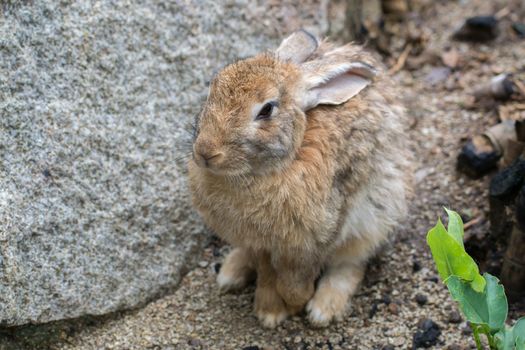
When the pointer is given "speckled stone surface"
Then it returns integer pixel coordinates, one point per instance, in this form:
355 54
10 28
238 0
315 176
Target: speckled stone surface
95 99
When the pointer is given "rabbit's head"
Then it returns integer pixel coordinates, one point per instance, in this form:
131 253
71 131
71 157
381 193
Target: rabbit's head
254 119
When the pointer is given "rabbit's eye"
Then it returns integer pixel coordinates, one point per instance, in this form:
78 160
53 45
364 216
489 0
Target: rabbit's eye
266 111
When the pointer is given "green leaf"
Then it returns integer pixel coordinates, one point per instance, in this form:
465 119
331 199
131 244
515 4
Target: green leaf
520 343
455 226
518 332
487 308
512 338
504 339
451 259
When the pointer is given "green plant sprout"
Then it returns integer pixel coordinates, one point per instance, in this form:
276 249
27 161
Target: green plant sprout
481 298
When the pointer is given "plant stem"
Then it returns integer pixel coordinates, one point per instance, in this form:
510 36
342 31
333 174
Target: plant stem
475 330
490 338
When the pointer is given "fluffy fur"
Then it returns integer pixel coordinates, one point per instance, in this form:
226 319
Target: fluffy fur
307 194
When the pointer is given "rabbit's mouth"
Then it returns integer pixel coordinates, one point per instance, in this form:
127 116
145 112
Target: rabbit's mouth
209 161
221 165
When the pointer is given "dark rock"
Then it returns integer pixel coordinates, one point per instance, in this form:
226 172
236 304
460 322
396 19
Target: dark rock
519 29
388 347
416 266
373 309
454 317
217 267
466 330
433 279
478 29
196 343
251 347
421 299
427 334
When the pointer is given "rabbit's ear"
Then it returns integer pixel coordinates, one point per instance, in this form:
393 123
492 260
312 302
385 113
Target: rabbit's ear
297 47
333 83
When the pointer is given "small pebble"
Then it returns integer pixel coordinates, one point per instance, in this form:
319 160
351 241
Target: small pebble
397 341
519 29
433 279
421 299
466 330
416 266
479 28
437 75
297 339
203 263
373 310
427 335
454 317
388 347
393 308
195 342
217 267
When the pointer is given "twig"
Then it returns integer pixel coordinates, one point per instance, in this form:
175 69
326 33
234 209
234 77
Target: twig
400 63
504 12
520 86
472 223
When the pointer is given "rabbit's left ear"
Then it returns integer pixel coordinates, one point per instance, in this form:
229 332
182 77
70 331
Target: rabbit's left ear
327 81
297 47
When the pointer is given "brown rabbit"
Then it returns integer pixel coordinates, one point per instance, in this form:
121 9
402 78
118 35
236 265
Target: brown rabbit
299 162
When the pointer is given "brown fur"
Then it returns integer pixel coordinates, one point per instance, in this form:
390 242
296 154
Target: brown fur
292 204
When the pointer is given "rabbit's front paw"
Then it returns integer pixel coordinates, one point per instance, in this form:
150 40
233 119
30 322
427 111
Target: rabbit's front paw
269 307
327 304
236 271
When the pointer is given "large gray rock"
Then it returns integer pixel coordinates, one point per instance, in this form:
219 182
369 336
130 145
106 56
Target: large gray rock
95 98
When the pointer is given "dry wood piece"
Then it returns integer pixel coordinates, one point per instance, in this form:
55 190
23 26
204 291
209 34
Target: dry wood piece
396 7
472 222
503 190
400 63
504 12
501 87
482 153
513 271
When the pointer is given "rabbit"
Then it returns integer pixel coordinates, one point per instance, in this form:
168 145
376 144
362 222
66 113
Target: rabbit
300 163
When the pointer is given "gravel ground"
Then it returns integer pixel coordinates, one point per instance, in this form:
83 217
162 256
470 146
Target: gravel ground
401 289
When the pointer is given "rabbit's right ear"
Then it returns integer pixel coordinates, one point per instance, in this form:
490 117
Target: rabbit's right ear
297 47
333 80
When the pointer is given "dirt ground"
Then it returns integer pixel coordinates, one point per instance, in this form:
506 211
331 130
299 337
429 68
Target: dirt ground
385 313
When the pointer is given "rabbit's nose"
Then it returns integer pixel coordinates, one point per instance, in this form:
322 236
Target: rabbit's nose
206 155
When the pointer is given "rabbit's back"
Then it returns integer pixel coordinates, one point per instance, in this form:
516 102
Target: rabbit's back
373 173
